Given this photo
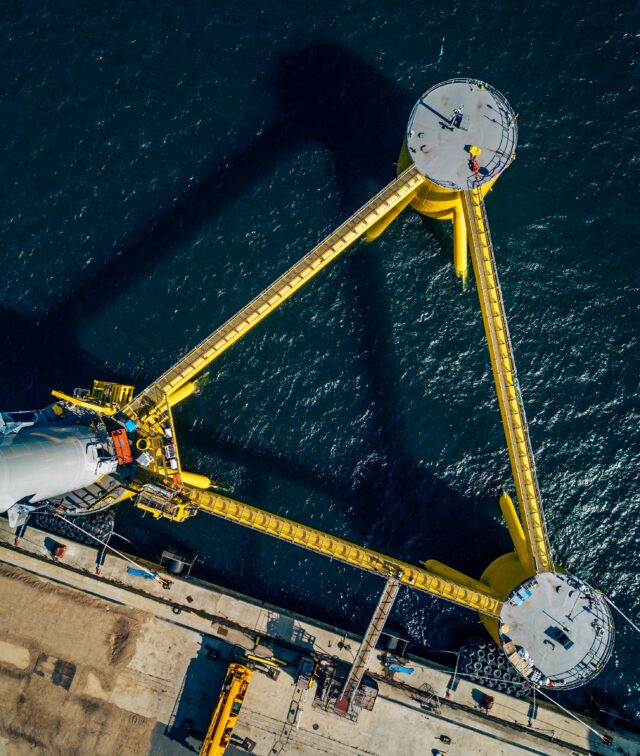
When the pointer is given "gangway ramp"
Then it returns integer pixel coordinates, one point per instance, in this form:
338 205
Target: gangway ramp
369 642
506 380
342 550
397 193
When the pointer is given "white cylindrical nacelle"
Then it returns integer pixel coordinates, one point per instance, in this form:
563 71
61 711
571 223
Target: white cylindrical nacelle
44 462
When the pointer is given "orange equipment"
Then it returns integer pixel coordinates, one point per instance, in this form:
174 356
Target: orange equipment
122 446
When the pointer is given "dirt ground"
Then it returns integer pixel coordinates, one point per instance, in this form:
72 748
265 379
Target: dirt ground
54 642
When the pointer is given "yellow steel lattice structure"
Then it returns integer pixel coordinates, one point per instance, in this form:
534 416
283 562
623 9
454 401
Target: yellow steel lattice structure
396 193
504 373
107 391
344 551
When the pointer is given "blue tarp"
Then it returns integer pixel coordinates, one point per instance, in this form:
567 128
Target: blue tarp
141 573
400 668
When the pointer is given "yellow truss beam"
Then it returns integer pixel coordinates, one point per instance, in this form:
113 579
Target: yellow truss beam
397 192
344 551
506 380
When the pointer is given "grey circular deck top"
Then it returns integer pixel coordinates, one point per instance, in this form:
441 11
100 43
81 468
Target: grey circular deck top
556 631
451 118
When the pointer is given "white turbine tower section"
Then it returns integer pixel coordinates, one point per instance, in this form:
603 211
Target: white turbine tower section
44 462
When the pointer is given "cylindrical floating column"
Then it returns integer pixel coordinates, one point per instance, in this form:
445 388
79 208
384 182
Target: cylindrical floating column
516 532
461 135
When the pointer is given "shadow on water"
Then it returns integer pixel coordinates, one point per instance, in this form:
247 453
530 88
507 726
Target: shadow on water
346 93
416 513
38 356
326 95
343 103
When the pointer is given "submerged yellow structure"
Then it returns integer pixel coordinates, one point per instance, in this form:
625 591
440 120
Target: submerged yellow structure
461 136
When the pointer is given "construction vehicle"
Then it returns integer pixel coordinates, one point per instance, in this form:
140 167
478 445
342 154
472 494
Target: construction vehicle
227 710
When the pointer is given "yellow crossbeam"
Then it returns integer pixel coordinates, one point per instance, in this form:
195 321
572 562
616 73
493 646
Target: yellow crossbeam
505 377
303 271
344 551
109 409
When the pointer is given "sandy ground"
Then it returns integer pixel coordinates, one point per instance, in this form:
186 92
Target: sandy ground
46 701
85 675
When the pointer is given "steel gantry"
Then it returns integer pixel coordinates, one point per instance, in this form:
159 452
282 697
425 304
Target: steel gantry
483 601
146 406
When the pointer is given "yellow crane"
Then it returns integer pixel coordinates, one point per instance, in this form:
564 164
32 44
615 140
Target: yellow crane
461 136
225 716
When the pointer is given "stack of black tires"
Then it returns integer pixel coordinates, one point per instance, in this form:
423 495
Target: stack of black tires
481 660
99 525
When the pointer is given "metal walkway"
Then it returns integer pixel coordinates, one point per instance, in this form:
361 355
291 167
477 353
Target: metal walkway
342 238
371 637
506 380
344 551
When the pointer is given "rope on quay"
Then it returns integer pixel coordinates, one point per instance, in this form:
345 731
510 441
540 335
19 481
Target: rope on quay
164 583
604 738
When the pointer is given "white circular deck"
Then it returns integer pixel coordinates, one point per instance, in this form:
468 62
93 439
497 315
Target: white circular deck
449 120
556 630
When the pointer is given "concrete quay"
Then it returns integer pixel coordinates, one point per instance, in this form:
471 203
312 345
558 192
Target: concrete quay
117 664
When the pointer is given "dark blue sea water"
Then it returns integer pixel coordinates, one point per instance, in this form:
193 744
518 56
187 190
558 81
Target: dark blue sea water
162 162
